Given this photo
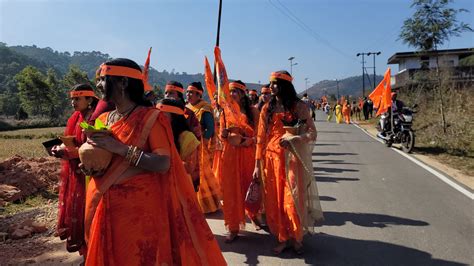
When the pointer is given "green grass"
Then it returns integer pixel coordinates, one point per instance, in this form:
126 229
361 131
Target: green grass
37 200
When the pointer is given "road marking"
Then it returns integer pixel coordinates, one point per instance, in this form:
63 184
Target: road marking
444 178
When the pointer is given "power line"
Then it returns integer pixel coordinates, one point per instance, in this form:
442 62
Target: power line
287 12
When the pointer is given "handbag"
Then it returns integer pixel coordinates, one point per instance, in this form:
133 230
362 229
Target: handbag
253 198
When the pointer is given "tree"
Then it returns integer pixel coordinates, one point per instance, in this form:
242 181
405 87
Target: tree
33 91
432 24
74 76
57 95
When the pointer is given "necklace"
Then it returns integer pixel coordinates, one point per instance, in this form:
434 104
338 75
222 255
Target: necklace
115 115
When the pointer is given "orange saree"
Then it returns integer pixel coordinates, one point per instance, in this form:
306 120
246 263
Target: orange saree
209 194
146 218
235 175
290 194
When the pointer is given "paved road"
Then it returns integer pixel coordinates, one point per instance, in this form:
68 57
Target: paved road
380 209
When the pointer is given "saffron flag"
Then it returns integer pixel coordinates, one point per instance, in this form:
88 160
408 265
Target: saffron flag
146 68
230 107
381 95
209 79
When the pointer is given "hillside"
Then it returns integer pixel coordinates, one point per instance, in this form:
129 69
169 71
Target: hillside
351 86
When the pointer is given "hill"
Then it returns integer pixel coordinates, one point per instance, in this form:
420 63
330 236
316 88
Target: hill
351 86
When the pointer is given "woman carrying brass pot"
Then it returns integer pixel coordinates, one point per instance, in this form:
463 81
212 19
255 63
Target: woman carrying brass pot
237 161
143 210
72 188
283 161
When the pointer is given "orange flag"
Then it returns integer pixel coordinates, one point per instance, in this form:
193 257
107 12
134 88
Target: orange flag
230 107
209 79
146 68
381 96
386 99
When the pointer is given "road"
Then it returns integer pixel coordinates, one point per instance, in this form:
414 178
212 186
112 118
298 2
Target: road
380 209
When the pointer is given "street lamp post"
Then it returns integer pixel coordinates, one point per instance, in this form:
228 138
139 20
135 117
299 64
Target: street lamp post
291 64
363 72
374 54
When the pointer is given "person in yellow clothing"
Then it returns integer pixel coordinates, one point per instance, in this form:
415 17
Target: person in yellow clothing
209 195
338 112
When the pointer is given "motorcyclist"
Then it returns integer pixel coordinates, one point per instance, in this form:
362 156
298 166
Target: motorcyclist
397 106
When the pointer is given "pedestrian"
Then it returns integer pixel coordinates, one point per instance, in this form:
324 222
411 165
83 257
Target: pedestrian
346 111
238 160
265 96
209 194
72 189
185 141
338 112
286 168
143 210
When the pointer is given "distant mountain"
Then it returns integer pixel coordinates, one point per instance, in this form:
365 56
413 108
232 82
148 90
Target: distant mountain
351 86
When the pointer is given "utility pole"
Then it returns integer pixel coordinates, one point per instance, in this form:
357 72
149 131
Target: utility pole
337 86
374 54
217 39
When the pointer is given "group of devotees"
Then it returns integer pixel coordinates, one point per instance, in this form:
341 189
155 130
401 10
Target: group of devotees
178 159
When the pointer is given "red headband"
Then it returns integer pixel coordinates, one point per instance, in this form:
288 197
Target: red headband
174 88
238 86
106 70
192 88
73 94
276 75
170 109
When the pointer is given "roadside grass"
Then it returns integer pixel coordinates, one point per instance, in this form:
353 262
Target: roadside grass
26 142
34 201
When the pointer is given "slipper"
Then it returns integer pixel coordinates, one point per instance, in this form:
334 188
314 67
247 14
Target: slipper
231 238
280 248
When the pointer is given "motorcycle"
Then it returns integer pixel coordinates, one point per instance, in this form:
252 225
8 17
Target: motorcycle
402 132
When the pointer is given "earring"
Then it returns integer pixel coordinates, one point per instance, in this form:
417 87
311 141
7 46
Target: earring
89 106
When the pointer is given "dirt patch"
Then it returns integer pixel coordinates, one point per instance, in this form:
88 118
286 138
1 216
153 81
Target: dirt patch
29 176
43 248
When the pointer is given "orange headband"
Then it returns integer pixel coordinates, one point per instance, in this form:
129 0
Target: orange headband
81 93
121 71
174 88
238 86
170 109
192 88
283 76
253 93
266 90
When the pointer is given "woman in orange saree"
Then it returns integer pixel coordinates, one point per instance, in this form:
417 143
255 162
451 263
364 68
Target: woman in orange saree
237 161
143 210
283 161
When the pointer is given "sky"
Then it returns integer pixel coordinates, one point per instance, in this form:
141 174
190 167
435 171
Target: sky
257 36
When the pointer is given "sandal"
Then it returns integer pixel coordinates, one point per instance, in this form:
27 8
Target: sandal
280 248
298 248
231 237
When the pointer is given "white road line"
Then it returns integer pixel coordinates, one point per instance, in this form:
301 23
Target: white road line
444 178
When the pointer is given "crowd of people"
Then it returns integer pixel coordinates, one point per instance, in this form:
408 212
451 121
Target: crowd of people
345 112
175 160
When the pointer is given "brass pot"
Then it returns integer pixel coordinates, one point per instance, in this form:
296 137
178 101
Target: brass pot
235 137
93 158
291 130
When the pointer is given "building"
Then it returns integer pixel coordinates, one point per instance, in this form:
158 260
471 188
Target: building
411 64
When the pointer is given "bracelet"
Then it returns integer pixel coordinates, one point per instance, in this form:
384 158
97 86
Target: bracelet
129 153
139 158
